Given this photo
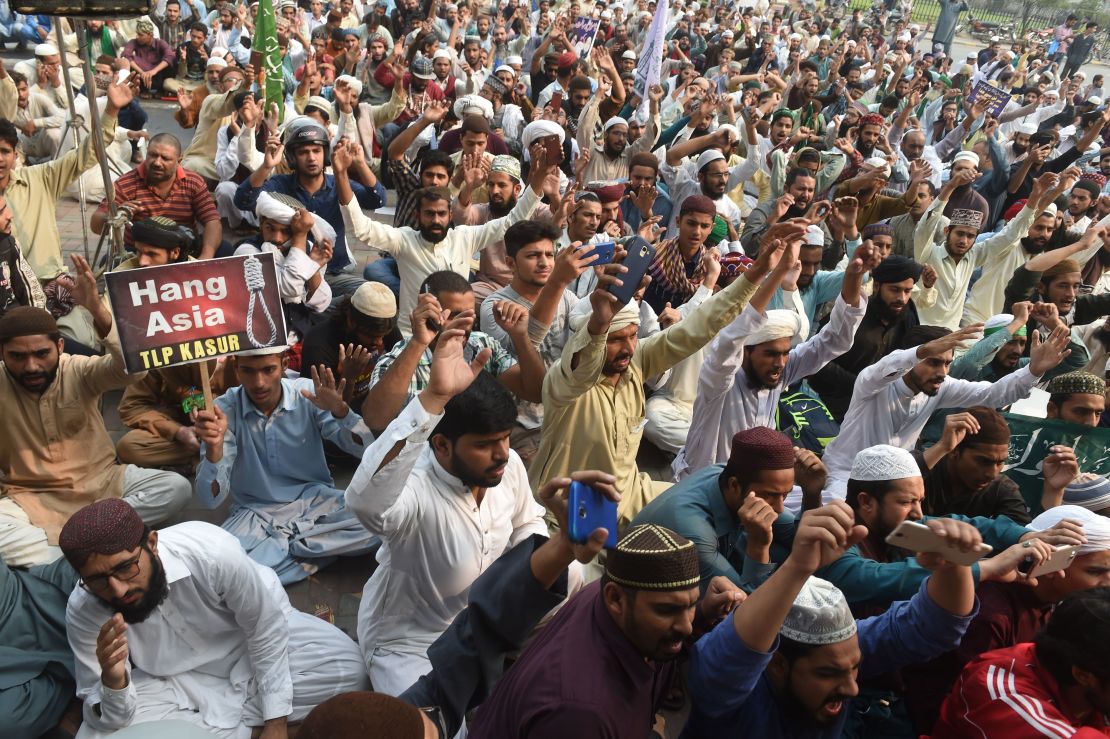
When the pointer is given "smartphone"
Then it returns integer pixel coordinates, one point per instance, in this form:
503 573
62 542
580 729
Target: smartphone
587 510
604 253
822 211
917 537
556 101
554 150
639 258
1061 557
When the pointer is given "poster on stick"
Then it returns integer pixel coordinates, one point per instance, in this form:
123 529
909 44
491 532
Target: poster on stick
583 34
193 311
995 98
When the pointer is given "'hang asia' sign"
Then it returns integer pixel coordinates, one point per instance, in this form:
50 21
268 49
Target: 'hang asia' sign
193 311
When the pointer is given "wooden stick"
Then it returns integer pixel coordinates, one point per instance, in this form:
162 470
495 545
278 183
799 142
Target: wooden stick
206 386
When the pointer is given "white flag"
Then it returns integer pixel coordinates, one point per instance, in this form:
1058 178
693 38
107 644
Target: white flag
651 57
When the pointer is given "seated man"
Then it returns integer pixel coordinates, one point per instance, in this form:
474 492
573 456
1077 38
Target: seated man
263 445
787 661
963 471
353 338
157 407
886 489
735 512
55 451
151 59
36 683
1013 612
1053 686
33 191
182 624
160 186
215 110
442 487
504 604
607 659
893 399
754 360
302 247
40 122
404 372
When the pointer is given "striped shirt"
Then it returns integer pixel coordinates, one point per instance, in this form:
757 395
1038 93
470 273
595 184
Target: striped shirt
188 202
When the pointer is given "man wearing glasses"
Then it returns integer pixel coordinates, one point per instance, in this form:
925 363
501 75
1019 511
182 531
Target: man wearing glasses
182 624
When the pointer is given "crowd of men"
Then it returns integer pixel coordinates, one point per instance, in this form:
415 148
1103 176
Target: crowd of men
858 265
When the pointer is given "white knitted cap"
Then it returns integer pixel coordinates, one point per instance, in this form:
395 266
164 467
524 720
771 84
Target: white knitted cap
884 462
819 615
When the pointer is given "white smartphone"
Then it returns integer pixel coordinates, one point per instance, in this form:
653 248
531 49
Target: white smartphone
1062 556
917 537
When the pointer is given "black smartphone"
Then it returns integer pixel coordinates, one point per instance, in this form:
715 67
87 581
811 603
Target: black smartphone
639 258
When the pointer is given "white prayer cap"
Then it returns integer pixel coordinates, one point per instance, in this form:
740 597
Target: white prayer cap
795 36
215 61
441 54
452 6
878 163
375 300
1050 210
606 15
514 59
42 50
819 615
733 133
503 68
884 462
281 208
708 157
629 54
541 129
825 37
614 122
728 33
354 83
914 27
322 104
1094 100
1096 528
815 236
264 351
1026 128
850 43
473 104
904 37
1053 93
1002 320
627 316
967 156
995 39
780 324
219 51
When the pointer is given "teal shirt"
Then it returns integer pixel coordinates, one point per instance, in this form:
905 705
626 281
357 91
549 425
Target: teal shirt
696 509
867 583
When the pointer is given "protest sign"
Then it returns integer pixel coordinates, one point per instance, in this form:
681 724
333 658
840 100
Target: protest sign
1030 439
583 34
651 57
192 311
995 98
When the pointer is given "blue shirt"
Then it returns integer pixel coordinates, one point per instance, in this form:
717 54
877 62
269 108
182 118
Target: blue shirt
277 458
825 287
695 508
732 697
323 203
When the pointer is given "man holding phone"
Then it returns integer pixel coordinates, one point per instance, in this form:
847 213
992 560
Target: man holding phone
594 396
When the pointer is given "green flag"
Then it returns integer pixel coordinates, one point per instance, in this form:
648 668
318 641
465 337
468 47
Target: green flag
265 41
1030 439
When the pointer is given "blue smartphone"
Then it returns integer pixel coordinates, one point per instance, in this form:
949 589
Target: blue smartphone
639 258
588 510
604 251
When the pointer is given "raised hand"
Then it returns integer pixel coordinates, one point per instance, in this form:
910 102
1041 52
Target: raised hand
342 158
85 293
112 652
669 316
327 394
720 598
451 372
1060 467
810 472
275 152
1045 355
823 535
427 319
512 318
571 262
353 361
944 344
928 276
322 253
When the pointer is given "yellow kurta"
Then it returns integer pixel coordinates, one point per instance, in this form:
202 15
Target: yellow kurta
33 194
591 424
55 453
200 157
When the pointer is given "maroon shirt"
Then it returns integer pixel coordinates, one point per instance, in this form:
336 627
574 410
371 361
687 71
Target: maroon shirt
580 677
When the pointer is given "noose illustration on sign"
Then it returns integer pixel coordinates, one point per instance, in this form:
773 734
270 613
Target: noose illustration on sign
256 283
